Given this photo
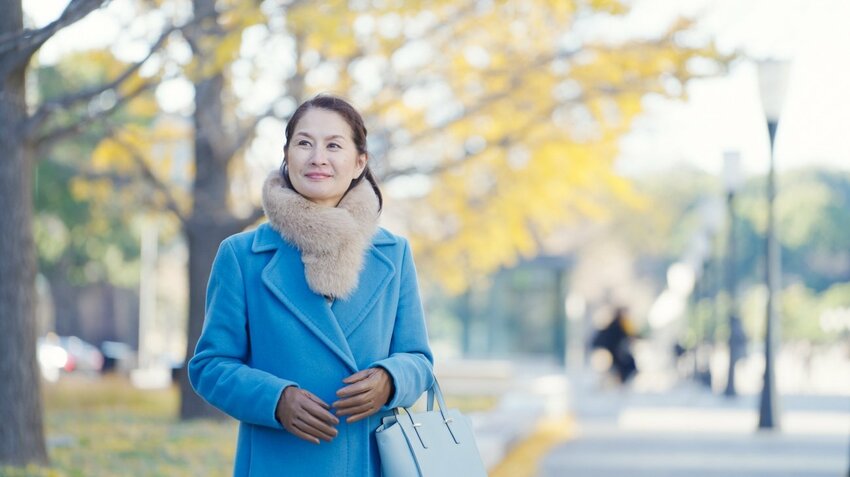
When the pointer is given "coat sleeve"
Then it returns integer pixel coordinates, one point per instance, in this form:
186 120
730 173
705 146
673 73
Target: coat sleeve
219 371
410 361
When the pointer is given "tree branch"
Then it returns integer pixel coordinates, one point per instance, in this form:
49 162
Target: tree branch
50 107
16 49
148 174
247 133
44 142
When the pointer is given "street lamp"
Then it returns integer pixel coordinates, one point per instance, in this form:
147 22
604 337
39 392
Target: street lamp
732 179
773 77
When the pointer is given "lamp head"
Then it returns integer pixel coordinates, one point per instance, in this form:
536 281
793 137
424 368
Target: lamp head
732 176
773 82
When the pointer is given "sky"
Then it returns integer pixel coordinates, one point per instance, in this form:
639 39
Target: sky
725 114
720 114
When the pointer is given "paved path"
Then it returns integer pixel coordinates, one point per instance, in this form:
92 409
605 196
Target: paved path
689 432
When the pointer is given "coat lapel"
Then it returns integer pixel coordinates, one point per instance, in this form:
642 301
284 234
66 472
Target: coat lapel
378 271
284 276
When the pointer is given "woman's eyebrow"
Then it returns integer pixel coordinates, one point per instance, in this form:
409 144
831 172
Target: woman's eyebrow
327 138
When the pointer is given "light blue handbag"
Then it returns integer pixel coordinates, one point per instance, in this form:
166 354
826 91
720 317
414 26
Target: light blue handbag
435 443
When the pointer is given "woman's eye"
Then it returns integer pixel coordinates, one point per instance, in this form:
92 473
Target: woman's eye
303 143
334 145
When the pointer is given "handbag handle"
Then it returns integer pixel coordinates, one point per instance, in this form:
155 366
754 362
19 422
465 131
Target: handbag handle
433 392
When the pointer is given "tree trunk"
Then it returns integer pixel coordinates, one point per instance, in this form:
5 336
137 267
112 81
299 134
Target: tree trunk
21 426
203 243
210 221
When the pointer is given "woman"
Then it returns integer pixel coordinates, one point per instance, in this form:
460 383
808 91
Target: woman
314 329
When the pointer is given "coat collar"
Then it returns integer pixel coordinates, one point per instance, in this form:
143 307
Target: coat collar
267 239
284 276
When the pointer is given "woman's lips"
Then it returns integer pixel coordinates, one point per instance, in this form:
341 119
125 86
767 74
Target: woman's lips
317 175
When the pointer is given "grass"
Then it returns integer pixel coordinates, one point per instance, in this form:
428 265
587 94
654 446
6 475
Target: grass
104 427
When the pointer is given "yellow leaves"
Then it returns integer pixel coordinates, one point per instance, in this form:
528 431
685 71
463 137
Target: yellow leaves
238 15
498 90
143 106
216 53
91 66
123 167
97 190
614 7
226 50
220 46
495 209
326 28
110 155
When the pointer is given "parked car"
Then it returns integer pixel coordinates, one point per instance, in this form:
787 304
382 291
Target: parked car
66 354
83 356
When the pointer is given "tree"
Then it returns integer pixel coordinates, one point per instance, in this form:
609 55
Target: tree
512 130
25 131
22 432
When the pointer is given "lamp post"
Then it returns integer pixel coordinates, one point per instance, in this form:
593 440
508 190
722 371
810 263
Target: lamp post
732 183
772 82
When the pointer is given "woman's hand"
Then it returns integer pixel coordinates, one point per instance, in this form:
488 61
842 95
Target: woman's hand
305 415
366 393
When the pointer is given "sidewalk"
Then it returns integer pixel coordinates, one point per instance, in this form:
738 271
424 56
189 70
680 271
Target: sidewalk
687 431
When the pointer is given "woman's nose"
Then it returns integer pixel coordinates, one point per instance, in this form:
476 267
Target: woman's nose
319 157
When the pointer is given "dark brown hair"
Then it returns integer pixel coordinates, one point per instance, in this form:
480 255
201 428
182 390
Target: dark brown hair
358 134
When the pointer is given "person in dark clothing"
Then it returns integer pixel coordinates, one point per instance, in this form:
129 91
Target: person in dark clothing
616 338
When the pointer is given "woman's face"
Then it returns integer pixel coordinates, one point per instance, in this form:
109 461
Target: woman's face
322 157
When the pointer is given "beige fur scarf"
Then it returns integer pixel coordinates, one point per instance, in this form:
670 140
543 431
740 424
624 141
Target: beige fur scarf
332 240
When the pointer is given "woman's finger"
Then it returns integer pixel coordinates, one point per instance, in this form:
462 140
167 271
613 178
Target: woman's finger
316 399
354 407
353 401
318 417
359 376
320 413
359 387
301 434
315 428
362 415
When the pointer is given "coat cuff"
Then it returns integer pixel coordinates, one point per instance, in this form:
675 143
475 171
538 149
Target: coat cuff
408 384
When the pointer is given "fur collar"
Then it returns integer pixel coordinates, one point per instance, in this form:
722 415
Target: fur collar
332 240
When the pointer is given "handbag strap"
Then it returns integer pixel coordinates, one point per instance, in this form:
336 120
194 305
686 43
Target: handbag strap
435 391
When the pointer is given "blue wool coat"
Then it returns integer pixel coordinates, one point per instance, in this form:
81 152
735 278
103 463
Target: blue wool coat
266 330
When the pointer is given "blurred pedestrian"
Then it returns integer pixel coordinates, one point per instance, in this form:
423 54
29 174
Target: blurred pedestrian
314 328
616 338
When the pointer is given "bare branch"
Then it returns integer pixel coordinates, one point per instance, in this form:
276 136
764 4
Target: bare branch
149 175
247 134
117 179
50 107
44 142
16 49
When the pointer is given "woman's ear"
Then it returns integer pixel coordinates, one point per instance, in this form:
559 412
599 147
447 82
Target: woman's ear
362 160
